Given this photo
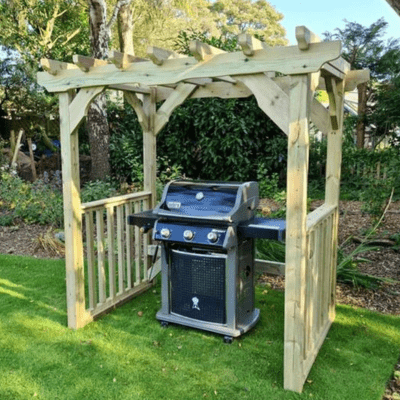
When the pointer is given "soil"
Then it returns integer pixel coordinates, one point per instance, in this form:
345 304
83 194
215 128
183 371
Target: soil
24 239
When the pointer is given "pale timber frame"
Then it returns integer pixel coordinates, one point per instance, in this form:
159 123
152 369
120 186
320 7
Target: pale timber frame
311 240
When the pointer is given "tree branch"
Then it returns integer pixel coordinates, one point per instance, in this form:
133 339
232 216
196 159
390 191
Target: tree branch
114 16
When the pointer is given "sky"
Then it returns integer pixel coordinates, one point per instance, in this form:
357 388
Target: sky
321 16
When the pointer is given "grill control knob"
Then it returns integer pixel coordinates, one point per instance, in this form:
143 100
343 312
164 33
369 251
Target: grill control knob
212 237
188 234
165 233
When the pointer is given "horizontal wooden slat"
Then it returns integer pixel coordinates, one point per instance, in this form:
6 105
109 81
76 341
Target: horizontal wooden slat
111 304
318 215
269 267
114 201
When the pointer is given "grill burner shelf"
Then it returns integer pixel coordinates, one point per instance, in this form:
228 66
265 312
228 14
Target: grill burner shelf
207 230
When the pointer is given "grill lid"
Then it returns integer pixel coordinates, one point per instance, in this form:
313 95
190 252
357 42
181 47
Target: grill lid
231 202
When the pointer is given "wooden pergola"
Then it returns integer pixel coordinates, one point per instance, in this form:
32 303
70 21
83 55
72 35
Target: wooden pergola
117 265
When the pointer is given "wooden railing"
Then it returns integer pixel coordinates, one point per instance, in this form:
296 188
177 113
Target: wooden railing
116 253
320 280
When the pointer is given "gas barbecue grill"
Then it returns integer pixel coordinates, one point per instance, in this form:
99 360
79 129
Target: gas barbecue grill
207 231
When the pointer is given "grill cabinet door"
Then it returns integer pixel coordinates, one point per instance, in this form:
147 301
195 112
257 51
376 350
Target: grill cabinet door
198 286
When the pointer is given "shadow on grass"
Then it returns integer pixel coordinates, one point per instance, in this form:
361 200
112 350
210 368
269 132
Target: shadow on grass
124 356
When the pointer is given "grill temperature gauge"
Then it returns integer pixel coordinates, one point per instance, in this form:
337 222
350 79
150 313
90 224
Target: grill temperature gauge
212 237
188 234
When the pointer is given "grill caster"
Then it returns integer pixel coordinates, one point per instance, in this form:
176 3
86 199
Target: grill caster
228 339
164 324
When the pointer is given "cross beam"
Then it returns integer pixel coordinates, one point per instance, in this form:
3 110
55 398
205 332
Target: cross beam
286 60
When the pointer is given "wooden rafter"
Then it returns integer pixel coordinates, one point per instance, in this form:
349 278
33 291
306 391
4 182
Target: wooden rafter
123 60
53 67
250 44
305 37
159 55
203 51
87 63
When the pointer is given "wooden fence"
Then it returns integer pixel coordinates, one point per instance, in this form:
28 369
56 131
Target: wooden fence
116 253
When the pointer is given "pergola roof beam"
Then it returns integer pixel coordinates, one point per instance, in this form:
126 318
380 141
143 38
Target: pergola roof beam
286 60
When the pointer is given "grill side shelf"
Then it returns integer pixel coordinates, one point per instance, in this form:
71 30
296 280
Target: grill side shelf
263 228
145 220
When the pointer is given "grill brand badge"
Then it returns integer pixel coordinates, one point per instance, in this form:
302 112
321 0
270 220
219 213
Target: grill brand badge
195 301
174 205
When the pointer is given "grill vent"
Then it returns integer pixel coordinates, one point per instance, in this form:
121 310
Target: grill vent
198 286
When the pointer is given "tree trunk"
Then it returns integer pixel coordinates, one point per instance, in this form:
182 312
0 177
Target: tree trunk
125 29
97 123
362 108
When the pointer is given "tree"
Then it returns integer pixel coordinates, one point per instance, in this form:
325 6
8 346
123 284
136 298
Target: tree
34 29
31 30
97 124
363 47
254 17
158 22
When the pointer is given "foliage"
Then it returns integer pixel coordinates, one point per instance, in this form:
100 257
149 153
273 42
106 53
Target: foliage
364 48
157 22
222 139
31 203
19 90
184 38
32 30
35 29
124 356
254 17
271 250
41 202
347 268
98 190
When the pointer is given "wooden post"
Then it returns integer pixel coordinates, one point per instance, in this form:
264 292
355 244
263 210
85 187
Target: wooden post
149 147
332 188
16 150
296 241
34 175
72 217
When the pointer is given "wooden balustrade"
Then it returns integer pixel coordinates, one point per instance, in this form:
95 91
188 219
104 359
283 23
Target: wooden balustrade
320 280
116 260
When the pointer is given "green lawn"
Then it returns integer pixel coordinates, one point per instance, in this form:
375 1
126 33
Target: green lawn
124 356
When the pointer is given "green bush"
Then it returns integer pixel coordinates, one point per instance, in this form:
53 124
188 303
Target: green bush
97 190
31 203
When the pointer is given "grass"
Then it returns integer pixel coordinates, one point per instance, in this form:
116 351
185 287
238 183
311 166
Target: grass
124 356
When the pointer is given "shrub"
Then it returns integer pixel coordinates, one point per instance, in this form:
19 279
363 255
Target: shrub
31 203
97 190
